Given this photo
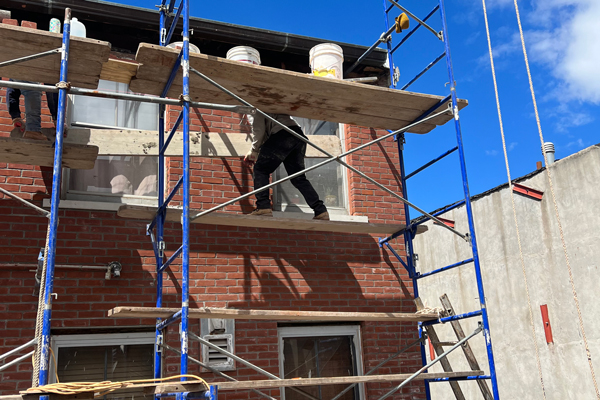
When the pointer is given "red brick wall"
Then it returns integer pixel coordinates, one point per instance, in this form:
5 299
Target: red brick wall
229 266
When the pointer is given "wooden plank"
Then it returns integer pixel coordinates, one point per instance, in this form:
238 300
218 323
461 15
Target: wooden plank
86 56
435 341
271 315
141 143
252 221
460 334
268 383
163 387
118 70
37 152
280 91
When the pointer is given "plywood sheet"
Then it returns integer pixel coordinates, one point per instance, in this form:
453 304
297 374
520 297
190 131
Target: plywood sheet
37 152
279 91
271 315
86 56
251 221
140 143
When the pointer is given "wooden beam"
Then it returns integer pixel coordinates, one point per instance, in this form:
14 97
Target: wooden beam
347 380
460 334
280 91
118 70
435 342
86 56
38 152
271 315
147 388
116 142
252 221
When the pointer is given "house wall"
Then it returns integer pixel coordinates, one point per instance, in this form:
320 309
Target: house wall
564 365
229 266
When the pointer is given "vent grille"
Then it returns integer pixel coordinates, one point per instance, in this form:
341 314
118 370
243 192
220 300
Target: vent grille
216 359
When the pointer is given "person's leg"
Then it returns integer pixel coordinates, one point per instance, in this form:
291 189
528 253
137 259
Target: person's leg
294 163
52 100
12 100
33 110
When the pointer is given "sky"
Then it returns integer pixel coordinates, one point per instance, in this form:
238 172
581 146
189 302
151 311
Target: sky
564 54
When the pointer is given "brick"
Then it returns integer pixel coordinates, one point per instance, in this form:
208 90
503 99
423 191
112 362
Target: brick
29 24
10 21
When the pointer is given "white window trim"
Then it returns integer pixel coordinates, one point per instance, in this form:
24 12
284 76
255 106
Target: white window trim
323 330
102 339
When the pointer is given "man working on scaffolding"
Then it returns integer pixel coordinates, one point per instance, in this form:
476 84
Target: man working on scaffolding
271 146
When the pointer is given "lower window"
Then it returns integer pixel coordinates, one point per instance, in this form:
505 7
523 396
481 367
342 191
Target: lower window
104 357
320 352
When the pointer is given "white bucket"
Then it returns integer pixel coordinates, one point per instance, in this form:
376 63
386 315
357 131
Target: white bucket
244 54
326 60
179 46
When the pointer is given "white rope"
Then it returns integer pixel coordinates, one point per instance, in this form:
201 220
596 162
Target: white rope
562 237
40 316
512 199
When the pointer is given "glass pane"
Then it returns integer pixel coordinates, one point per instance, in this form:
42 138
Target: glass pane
118 175
319 357
327 180
112 363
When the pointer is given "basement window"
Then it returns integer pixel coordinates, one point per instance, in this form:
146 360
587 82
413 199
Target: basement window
320 352
116 179
105 357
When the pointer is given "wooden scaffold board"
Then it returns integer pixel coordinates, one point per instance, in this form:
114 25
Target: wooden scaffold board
39 152
271 315
279 91
86 56
252 221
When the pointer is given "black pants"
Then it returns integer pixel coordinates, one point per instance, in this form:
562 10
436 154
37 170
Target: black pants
283 147
13 99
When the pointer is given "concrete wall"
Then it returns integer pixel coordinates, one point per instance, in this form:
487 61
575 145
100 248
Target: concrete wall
564 365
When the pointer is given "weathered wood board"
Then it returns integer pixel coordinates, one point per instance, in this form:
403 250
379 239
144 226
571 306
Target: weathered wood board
252 221
347 380
86 56
280 91
38 152
145 143
271 315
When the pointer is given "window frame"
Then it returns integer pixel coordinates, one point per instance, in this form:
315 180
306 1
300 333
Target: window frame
318 331
305 209
96 339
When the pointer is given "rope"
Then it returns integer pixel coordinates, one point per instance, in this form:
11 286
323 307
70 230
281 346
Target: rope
101 388
512 199
562 237
40 316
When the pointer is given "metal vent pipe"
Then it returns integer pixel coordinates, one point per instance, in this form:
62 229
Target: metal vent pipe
548 149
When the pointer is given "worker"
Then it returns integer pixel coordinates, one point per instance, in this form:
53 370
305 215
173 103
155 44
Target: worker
271 146
31 128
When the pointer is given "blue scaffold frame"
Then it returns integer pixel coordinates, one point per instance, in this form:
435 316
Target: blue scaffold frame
409 232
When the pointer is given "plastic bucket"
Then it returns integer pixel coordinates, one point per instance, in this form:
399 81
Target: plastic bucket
244 54
326 60
179 46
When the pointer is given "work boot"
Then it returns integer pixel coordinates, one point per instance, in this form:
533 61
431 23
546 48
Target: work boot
262 212
34 135
324 216
19 124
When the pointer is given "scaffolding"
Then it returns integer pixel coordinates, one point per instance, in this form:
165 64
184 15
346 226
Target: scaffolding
434 111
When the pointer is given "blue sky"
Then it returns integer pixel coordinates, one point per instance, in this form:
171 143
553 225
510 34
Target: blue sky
564 53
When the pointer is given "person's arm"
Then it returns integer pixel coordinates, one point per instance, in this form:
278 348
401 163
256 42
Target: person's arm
259 133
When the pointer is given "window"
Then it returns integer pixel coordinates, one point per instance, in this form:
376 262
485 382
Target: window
318 352
118 179
95 358
329 180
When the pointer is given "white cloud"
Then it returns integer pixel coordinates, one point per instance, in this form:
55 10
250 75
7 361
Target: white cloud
568 44
512 145
491 153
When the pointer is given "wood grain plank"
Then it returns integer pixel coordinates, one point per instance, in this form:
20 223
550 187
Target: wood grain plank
118 71
267 89
251 221
37 152
267 383
271 315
